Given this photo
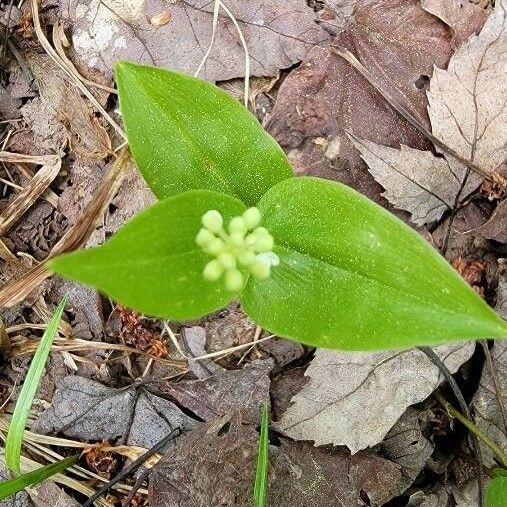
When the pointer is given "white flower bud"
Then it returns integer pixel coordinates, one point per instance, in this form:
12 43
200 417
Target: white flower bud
237 238
237 224
269 258
213 221
227 260
204 237
215 247
252 217
233 280
260 269
213 271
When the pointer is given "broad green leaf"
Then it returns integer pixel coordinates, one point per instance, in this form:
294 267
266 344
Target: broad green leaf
153 264
496 492
354 277
27 394
34 477
188 134
261 470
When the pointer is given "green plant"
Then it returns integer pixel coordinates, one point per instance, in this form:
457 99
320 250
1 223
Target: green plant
496 492
329 267
21 410
261 470
27 394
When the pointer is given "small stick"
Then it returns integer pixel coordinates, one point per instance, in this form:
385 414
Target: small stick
132 467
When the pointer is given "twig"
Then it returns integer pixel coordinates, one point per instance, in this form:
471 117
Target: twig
132 467
474 429
349 57
476 450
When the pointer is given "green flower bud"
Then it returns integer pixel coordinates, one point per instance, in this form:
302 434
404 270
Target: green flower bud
237 238
233 280
212 271
213 221
252 217
215 247
204 237
247 257
227 260
260 269
264 243
237 224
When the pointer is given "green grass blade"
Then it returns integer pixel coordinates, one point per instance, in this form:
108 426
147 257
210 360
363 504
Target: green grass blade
261 472
27 394
21 482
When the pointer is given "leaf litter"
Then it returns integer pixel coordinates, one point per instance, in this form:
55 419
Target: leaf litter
317 106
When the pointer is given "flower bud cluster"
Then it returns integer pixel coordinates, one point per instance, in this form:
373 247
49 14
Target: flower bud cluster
243 244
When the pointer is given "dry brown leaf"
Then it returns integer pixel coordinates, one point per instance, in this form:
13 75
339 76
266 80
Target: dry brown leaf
278 34
354 399
325 96
214 465
465 17
468 112
415 180
496 227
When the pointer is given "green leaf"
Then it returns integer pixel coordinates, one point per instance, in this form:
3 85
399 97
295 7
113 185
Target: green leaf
261 471
22 409
18 484
153 263
496 492
188 134
352 276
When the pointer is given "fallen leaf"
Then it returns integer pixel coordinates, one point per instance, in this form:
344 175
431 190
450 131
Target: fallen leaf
48 494
214 466
84 409
325 96
335 14
284 387
468 112
9 106
489 416
439 498
278 35
354 399
227 392
496 227
415 180
465 17
407 446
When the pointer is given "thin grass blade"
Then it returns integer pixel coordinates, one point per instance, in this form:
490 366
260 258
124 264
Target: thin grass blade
261 472
27 394
21 482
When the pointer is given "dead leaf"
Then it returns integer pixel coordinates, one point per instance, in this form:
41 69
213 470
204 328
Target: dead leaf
468 112
354 399
284 387
213 466
61 103
278 34
335 14
48 494
87 410
9 106
496 227
415 180
465 17
302 475
489 416
224 393
406 445
325 96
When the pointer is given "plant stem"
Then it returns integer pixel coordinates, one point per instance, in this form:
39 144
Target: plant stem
474 429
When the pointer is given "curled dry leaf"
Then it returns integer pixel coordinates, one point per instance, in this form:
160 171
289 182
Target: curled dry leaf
278 34
465 17
496 227
468 112
354 399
